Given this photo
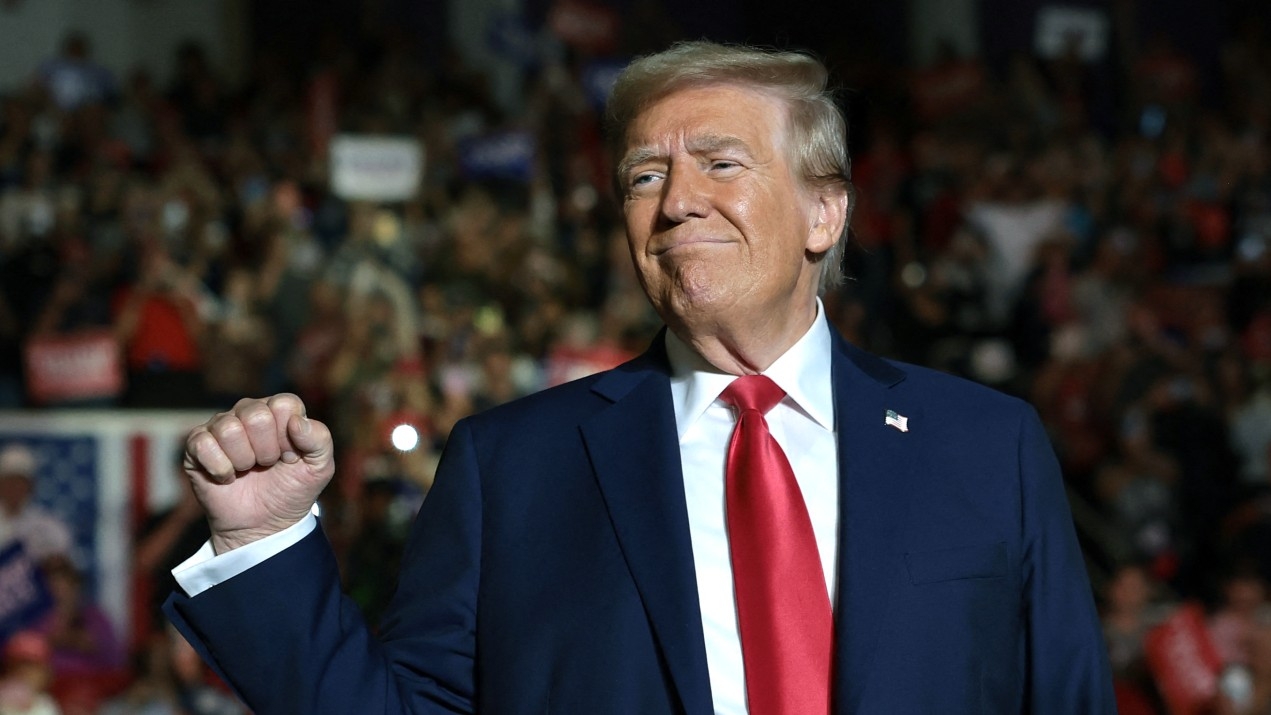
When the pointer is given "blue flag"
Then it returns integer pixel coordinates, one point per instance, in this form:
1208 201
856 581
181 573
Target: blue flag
24 596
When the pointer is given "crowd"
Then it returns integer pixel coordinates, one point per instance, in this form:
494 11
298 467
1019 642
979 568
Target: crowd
1111 263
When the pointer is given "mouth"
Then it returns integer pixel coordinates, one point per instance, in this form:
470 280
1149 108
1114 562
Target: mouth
687 243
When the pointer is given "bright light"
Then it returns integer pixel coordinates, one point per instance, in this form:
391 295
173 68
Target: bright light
405 437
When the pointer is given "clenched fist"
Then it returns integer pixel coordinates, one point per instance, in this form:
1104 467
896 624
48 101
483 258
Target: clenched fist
258 468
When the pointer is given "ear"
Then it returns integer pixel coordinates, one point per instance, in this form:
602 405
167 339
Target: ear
830 211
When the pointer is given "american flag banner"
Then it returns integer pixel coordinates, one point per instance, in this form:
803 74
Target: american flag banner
24 594
102 472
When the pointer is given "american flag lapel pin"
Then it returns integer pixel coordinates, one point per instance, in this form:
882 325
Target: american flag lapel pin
897 420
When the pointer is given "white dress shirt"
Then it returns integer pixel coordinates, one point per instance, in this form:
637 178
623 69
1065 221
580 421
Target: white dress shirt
206 568
802 423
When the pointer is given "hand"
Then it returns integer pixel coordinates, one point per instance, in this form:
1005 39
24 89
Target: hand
258 468
187 509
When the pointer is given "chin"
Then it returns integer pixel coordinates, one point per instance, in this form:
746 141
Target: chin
695 291
703 311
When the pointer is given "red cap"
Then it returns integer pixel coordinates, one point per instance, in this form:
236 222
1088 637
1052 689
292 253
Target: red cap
27 647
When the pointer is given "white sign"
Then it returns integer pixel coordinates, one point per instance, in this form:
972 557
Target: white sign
376 168
1059 28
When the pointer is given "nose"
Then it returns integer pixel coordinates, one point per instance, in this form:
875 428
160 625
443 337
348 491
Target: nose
685 193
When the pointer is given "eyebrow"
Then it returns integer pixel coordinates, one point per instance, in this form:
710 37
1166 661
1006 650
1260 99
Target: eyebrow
717 142
634 158
705 143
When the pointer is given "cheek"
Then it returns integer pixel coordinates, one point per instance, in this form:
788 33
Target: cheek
765 216
638 220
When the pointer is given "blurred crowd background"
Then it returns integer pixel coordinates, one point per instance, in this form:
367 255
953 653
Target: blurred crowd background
1082 219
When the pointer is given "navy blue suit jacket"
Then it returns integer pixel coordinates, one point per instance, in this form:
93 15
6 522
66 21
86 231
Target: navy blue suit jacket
550 569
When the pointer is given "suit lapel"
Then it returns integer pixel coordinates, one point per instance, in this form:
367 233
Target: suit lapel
635 454
875 478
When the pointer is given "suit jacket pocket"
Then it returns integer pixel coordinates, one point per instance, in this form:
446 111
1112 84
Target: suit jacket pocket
963 562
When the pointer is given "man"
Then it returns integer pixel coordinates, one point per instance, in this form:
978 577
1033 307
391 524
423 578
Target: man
73 78
576 554
42 534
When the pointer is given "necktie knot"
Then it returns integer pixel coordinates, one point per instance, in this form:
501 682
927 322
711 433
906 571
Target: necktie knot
753 392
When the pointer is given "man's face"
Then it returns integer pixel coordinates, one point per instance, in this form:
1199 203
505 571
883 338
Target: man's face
718 222
15 489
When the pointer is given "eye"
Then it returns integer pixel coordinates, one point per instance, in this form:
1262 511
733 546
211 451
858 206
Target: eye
724 167
642 180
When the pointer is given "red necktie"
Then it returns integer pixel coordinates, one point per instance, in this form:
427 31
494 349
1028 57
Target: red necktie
783 608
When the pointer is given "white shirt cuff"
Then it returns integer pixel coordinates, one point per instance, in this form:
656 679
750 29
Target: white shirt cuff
206 569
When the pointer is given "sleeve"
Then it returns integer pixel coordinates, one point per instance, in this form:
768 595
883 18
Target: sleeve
287 640
1067 665
206 568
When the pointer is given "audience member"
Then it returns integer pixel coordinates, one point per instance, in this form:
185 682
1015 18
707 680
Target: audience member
1132 605
42 534
26 676
73 79
84 641
159 326
171 680
1244 610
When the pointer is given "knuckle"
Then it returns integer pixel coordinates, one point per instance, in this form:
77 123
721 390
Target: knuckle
287 401
203 453
227 427
244 402
199 444
258 418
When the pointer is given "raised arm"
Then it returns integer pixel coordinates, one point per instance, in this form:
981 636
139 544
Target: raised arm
281 632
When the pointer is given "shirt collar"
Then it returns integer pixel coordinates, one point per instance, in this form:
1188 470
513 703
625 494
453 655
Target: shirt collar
803 372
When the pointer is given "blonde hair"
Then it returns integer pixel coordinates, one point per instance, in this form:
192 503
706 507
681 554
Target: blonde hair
817 130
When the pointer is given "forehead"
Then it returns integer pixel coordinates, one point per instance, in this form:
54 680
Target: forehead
754 116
